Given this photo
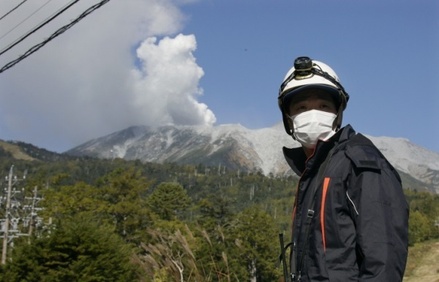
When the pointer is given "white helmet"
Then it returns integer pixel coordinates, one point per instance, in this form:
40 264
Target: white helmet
307 74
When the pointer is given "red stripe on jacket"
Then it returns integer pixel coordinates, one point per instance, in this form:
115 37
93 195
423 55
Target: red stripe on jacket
322 210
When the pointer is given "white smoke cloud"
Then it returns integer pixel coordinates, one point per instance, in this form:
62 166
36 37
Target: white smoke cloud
168 80
125 64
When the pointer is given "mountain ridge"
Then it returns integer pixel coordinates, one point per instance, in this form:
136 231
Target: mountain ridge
237 147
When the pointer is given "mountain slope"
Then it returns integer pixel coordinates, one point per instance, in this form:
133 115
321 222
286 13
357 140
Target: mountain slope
27 152
237 147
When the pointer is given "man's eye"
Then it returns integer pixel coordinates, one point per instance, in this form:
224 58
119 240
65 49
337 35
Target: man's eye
327 107
300 109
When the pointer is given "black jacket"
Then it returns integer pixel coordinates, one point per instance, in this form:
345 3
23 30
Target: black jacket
358 223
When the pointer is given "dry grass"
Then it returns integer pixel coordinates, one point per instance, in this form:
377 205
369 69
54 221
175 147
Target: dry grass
15 151
423 263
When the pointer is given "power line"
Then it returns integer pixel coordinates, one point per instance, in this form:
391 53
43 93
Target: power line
54 35
13 9
37 28
33 13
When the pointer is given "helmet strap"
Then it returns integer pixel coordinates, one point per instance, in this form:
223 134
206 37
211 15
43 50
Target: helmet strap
338 119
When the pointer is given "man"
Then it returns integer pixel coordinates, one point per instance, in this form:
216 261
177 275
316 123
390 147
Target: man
350 219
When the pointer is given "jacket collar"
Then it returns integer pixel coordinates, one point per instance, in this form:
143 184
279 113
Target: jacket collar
297 159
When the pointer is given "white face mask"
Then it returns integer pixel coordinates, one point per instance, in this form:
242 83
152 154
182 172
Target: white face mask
313 125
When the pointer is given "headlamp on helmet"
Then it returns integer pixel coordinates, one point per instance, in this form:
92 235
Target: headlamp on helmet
303 68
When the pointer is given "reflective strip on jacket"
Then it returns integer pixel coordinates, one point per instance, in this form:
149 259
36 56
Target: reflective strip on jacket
359 231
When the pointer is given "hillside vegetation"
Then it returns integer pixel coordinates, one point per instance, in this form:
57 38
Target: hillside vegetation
116 220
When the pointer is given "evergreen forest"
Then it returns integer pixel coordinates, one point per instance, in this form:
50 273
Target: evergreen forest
117 220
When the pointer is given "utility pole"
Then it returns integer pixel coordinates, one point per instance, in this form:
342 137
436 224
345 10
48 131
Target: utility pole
6 225
33 213
15 210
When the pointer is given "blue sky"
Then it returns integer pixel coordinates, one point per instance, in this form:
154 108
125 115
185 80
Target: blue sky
386 54
216 62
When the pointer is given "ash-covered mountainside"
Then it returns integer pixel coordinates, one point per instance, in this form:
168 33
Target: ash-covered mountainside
237 147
